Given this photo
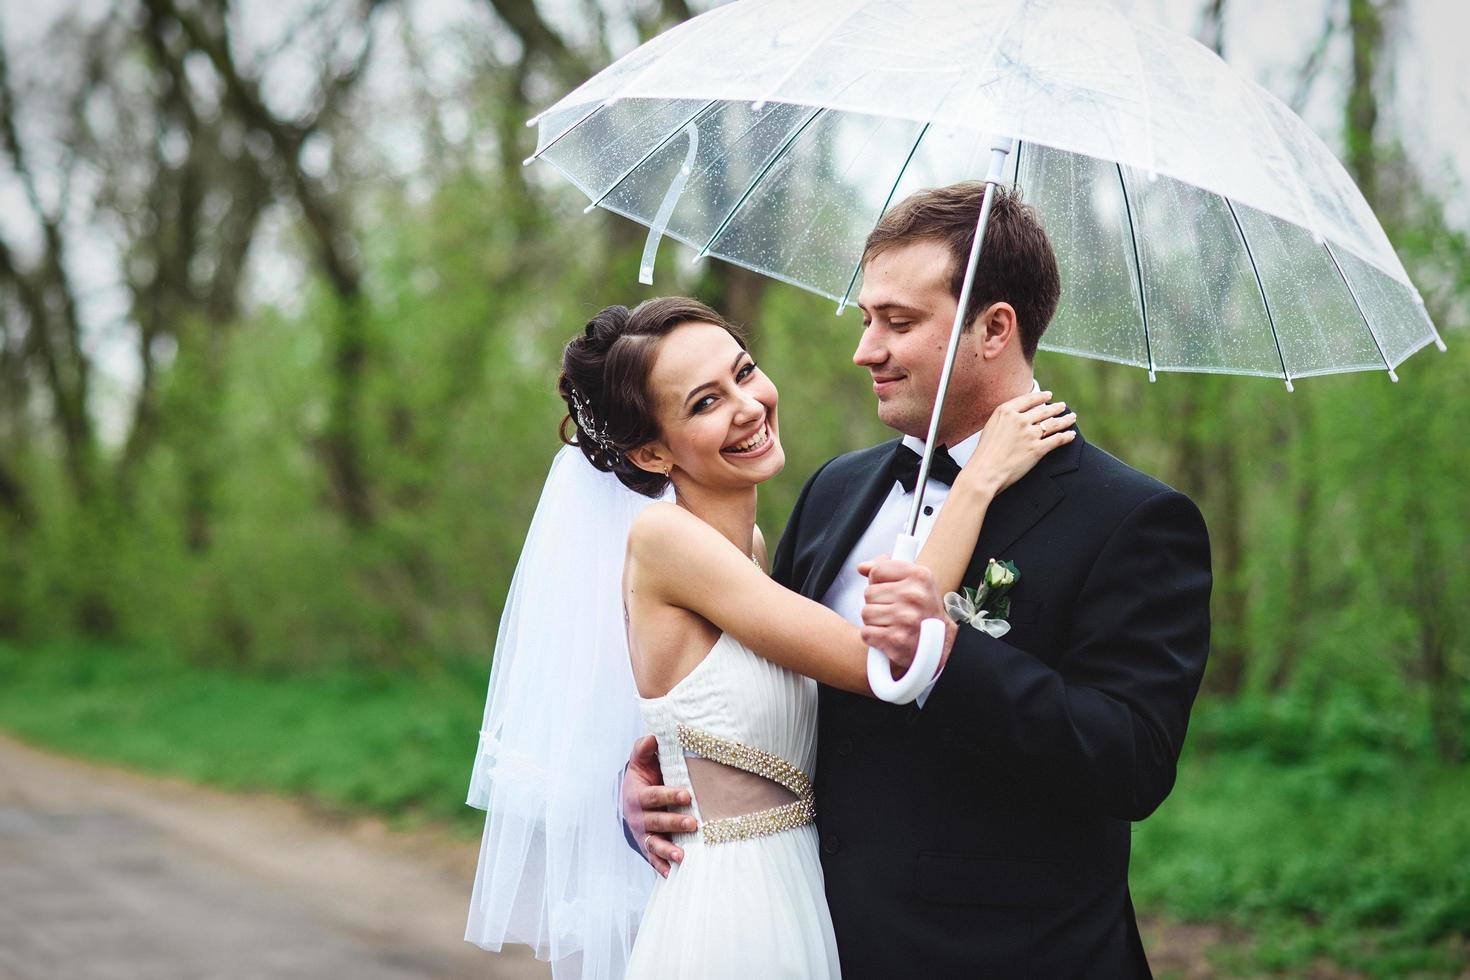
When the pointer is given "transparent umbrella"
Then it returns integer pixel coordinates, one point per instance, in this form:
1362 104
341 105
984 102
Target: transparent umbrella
1200 225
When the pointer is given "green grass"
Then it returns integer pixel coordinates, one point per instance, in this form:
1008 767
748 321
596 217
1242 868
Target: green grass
1338 841
1329 851
341 738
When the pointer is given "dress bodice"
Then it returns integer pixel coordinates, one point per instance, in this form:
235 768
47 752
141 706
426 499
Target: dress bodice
737 708
746 899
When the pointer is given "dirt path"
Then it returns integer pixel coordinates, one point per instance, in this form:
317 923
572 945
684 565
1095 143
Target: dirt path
108 874
105 873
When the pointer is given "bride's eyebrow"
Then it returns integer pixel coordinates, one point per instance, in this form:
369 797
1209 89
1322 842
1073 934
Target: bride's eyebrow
710 384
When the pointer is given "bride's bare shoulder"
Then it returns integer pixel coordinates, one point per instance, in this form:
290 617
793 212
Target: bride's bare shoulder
658 519
670 542
661 524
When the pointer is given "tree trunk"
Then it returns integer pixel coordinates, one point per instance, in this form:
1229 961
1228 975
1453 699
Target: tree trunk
737 293
1428 597
1207 467
46 293
175 300
327 221
1230 568
1299 585
1365 25
1212 29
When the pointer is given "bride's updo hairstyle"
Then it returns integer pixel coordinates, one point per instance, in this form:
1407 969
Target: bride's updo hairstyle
604 381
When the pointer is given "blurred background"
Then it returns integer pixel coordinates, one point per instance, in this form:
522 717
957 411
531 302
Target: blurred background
280 314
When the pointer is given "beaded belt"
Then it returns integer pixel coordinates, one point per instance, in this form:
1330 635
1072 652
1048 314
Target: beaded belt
762 823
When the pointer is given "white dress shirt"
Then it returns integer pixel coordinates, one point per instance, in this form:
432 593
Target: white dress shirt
845 596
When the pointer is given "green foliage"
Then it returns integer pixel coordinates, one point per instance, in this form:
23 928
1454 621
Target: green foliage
1337 512
348 738
1323 832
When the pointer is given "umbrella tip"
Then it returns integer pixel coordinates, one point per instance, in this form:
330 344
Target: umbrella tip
1289 385
590 208
529 160
1440 344
1152 377
1393 375
757 105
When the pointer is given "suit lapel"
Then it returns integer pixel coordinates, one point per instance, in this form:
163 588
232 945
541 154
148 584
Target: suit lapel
1021 506
1011 514
860 501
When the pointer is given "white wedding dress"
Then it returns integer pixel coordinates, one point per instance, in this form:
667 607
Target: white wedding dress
747 900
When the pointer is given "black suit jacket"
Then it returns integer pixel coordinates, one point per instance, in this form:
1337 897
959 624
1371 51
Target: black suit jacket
987 834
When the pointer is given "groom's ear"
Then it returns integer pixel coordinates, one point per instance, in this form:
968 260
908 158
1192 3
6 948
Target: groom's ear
996 329
651 457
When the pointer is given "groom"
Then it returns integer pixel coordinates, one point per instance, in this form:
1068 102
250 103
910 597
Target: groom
986 833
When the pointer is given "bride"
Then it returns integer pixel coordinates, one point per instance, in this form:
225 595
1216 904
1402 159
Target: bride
666 401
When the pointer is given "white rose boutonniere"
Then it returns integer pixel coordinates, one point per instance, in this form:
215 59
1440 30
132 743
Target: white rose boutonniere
987 607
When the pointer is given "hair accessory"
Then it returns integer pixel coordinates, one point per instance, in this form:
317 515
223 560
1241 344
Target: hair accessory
587 422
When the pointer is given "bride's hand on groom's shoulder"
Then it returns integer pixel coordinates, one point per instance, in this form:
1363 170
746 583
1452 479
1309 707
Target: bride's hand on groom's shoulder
899 597
1019 432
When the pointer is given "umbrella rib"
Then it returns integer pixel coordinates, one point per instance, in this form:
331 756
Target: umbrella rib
1148 111
1259 102
565 132
1016 181
765 169
1392 374
1148 345
1270 319
1438 340
842 304
858 267
675 131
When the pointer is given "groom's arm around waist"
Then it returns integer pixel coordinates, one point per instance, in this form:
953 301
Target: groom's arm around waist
1103 728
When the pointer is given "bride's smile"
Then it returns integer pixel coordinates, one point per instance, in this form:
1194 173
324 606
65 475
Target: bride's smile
754 446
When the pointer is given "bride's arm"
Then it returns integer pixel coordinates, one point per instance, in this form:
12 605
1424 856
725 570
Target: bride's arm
708 575
1010 446
1018 433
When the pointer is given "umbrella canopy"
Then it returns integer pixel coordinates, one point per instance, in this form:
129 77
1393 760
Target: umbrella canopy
1199 224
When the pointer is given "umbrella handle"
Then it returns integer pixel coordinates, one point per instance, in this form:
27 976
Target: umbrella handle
926 657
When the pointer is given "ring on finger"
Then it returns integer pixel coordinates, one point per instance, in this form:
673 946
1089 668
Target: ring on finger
646 846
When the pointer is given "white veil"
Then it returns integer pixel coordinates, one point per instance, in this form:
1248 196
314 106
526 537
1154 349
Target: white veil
555 872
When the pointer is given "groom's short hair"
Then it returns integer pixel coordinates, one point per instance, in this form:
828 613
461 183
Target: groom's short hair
1017 265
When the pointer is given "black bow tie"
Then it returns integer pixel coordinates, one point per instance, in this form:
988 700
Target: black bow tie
905 467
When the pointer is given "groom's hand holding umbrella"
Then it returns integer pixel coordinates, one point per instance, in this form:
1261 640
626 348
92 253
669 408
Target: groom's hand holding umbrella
901 594
899 597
